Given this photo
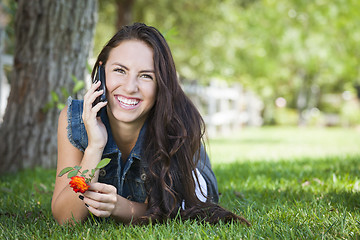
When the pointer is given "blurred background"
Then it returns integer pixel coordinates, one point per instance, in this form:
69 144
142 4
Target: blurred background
243 62
290 62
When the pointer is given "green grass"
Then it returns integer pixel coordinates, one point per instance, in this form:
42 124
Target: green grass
290 183
274 144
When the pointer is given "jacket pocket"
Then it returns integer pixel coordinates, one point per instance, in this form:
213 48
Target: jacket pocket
135 180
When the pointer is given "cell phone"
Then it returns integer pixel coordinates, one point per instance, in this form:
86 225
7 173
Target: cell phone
100 76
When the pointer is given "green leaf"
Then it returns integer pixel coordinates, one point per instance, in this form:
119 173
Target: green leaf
88 67
54 96
65 92
92 172
85 171
65 170
74 78
103 163
171 35
48 106
78 86
77 167
73 173
60 106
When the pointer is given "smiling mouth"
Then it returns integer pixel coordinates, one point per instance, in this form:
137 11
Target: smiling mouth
128 102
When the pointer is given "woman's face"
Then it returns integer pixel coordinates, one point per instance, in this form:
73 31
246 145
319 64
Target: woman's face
130 81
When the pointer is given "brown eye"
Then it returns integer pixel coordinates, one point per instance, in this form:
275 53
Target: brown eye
146 76
119 70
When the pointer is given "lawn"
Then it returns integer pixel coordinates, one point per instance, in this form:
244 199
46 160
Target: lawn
290 183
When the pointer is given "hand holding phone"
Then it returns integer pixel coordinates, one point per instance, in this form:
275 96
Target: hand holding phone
100 76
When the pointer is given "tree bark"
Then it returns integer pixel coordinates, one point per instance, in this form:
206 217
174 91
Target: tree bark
124 12
308 96
53 41
2 33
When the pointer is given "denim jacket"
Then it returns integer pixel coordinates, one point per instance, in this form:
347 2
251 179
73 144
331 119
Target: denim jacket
128 178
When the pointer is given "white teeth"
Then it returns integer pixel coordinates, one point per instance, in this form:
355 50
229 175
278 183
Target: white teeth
127 101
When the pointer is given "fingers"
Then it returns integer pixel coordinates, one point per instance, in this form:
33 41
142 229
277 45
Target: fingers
91 95
98 106
95 129
88 95
102 188
99 213
101 199
99 209
89 99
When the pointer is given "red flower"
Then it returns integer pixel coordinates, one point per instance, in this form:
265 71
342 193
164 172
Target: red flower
78 184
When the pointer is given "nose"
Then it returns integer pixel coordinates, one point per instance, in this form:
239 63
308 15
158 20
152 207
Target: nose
131 84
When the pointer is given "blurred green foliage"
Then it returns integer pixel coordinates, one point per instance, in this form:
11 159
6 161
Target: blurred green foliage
7 18
59 100
105 28
299 50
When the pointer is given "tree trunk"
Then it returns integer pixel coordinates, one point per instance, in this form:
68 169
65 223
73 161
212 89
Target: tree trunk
308 96
2 33
124 12
53 41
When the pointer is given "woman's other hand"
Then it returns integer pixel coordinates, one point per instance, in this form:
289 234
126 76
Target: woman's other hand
101 199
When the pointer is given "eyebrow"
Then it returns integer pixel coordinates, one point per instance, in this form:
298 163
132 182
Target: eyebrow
142 71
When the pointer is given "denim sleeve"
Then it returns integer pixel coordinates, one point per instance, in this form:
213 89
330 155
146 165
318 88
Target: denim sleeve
76 129
204 166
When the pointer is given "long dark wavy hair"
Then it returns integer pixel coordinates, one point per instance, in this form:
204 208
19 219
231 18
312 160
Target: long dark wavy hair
174 136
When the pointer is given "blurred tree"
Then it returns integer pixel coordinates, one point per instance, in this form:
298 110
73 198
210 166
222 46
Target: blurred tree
124 12
53 40
299 50
106 24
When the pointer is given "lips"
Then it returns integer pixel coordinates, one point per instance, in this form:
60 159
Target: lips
128 103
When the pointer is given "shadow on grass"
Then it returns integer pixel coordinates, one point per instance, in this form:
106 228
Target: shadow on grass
329 182
25 197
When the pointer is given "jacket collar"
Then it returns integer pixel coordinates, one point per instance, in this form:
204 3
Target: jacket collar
111 146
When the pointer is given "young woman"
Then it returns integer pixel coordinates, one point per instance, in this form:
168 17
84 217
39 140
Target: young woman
151 132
